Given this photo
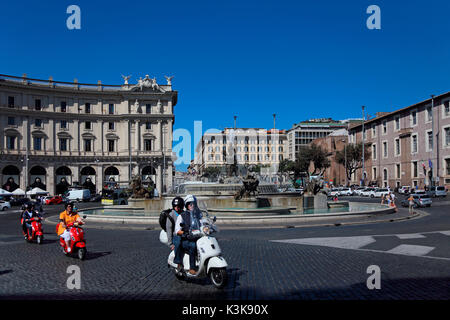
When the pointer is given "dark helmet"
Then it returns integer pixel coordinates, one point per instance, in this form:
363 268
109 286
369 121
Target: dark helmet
178 201
29 206
70 204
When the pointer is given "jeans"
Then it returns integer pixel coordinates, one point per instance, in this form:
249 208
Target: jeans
178 250
191 248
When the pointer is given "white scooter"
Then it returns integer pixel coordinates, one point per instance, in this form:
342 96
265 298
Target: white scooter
208 260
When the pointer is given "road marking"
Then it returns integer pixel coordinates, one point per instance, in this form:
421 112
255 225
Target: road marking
411 250
410 236
335 242
447 233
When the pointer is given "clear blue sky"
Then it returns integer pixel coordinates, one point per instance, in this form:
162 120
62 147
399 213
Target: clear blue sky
297 59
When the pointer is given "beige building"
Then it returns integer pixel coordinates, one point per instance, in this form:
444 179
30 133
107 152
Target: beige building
243 146
52 130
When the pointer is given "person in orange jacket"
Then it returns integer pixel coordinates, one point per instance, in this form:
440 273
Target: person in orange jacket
67 217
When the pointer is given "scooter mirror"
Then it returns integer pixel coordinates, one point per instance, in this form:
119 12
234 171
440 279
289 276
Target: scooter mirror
214 219
85 216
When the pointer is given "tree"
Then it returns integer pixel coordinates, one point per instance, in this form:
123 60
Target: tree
212 172
311 160
354 157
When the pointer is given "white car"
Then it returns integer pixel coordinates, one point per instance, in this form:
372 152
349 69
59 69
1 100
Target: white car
4 205
334 192
366 192
346 192
379 192
358 191
404 190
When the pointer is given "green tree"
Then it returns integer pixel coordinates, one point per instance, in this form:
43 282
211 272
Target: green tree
354 162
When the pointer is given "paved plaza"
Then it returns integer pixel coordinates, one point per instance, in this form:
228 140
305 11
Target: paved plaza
302 263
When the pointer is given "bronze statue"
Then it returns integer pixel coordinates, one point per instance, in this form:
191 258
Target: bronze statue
250 187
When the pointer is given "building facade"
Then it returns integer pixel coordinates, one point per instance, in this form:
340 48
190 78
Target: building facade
303 133
334 142
243 146
410 146
54 131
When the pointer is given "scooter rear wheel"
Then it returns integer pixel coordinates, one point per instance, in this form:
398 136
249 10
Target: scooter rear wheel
218 277
39 239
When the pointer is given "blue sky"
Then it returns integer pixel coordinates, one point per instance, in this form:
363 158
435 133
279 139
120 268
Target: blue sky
297 59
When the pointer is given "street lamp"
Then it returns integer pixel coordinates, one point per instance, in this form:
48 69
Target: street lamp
345 162
363 142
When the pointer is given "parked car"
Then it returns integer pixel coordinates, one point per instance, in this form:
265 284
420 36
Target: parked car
403 190
333 192
420 200
357 191
4 205
346 192
366 192
437 191
379 192
54 200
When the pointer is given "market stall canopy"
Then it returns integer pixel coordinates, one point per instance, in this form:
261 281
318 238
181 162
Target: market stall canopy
4 192
18 192
37 191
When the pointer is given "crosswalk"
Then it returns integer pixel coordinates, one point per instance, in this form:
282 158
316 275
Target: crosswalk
435 245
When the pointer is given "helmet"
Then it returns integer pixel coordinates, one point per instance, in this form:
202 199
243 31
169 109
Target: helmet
189 198
29 206
178 201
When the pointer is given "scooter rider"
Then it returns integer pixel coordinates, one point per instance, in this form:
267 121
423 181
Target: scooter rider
174 240
67 217
27 214
187 223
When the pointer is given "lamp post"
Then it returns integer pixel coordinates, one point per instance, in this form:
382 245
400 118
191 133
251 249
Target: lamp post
432 181
363 142
345 162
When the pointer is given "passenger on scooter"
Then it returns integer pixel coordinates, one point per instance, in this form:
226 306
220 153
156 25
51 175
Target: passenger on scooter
174 241
187 223
67 217
27 214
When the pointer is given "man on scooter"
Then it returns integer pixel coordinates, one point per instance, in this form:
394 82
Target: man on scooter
186 225
173 239
67 217
27 214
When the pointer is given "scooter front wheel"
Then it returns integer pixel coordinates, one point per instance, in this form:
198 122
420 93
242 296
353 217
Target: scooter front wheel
218 277
82 253
39 239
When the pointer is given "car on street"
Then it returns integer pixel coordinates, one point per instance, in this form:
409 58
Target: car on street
4 205
404 190
53 200
333 192
437 191
357 190
379 192
346 192
366 192
420 200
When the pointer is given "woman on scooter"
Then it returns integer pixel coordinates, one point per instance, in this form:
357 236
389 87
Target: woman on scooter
186 225
67 217
27 214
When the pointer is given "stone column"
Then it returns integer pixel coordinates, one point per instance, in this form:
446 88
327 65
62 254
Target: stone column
159 178
51 186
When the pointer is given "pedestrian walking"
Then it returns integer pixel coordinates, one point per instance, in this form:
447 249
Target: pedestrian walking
411 204
382 198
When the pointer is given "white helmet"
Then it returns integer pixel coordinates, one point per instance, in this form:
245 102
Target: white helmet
190 198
